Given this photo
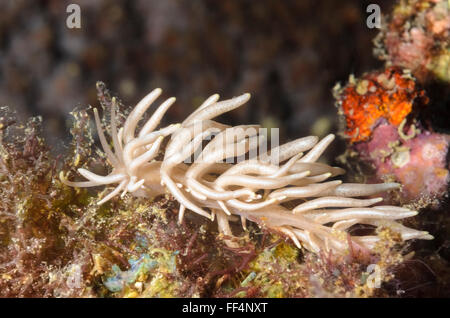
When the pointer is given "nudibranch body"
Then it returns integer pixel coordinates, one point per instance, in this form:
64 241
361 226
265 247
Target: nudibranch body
217 185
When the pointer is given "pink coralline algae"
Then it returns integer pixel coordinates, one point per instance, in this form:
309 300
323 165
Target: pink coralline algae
416 159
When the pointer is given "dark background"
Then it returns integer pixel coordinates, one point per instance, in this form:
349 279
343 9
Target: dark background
288 54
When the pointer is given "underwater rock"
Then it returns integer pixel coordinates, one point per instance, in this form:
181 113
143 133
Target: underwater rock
382 120
416 36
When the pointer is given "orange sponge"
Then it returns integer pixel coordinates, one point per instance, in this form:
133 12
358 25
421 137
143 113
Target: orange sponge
389 94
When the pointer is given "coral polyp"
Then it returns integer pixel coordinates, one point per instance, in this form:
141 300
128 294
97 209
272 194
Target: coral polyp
228 180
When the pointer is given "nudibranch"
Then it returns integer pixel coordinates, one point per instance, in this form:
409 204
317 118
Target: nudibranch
259 188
